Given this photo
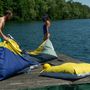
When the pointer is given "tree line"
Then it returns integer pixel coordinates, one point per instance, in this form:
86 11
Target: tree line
27 10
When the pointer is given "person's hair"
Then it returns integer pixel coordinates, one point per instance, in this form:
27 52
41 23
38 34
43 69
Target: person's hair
45 17
8 12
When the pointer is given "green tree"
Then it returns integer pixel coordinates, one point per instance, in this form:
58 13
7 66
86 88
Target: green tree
41 8
27 10
1 8
7 4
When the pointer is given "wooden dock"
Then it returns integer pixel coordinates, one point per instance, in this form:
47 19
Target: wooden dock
33 80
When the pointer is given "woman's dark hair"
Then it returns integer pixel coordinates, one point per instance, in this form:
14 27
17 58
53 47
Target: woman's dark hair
8 12
45 17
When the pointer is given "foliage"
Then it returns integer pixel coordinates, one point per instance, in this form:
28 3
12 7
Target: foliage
27 10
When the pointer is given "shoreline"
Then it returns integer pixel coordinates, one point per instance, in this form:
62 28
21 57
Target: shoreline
32 21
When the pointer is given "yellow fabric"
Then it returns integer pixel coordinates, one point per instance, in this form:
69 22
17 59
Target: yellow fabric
72 68
12 46
45 66
38 50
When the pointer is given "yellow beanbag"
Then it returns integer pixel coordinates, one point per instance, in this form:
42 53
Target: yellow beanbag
67 70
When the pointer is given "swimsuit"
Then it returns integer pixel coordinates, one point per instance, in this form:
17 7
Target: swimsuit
44 29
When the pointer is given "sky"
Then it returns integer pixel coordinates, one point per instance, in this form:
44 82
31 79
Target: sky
86 2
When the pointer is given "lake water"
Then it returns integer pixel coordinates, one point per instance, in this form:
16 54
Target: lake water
64 87
70 37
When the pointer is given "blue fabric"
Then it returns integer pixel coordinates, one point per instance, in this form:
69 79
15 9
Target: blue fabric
63 75
44 57
11 64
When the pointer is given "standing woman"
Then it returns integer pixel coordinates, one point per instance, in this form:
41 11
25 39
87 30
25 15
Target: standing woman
46 27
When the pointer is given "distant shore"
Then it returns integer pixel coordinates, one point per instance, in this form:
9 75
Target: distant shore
29 10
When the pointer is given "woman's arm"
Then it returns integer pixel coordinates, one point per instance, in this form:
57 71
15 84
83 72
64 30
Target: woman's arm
47 27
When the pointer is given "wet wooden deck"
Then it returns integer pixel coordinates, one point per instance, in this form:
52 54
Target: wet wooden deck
33 80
